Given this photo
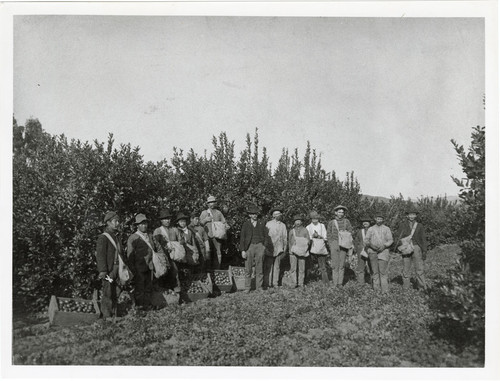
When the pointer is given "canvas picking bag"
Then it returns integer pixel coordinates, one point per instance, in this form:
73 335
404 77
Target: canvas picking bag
299 248
160 264
318 246
124 273
345 238
406 246
218 227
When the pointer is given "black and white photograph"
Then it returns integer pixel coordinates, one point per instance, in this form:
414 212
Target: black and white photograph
250 190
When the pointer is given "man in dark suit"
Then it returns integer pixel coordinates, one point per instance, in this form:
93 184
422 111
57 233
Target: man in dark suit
107 252
253 240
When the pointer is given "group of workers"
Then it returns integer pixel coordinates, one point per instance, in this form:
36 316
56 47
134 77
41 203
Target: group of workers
196 242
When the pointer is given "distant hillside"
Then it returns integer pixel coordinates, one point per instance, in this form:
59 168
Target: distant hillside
386 199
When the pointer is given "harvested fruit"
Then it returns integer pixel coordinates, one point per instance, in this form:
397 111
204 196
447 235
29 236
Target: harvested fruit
222 278
238 271
76 306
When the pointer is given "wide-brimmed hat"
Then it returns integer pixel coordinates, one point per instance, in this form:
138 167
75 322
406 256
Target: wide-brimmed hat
109 216
366 219
379 213
211 199
410 210
276 209
298 217
314 215
340 207
140 218
253 209
181 216
165 213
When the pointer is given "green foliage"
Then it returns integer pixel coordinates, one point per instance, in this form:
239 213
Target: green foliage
462 292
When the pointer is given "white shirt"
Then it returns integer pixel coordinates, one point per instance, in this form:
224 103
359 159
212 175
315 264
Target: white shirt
318 228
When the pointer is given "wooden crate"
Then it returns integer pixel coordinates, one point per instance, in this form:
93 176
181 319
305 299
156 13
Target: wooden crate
209 287
193 297
225 287
63 318
239 280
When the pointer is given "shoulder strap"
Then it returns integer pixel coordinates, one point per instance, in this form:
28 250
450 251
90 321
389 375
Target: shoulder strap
336 224
111 240
363 234
164 233
413 229
151 247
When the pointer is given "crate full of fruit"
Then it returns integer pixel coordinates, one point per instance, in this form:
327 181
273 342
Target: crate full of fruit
205 280
193 290
71 311
238 276
223 280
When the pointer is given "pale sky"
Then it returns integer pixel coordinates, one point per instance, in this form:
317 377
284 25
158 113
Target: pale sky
379 96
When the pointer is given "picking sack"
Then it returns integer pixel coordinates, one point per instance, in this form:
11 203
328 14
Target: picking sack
299 248
177 252
219 230
406 246
345 238
160 264
319 246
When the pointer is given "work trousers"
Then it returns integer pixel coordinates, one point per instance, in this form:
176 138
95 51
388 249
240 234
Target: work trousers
361 268
109 298
216 252
272 269
338 255
255 256
418 262
300 262
143 288
379 275
322 266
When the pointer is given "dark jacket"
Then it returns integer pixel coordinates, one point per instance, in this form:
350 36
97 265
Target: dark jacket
140 256
106 253
247 231
358 241
418 237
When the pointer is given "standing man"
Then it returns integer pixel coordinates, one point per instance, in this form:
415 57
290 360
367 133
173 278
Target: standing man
298 242
278 236
215 224
361 251
378 239
163 235
107 252
254 237
201 236
419 242
140 246
338 253
317 232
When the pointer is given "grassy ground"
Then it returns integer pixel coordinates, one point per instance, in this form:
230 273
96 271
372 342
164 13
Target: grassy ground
317 325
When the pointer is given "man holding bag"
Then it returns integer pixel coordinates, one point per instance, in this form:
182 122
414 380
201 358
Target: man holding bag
415 250
317 232
108 255
340 240
278 236
215 225
378 239
140 250
298 242
361 251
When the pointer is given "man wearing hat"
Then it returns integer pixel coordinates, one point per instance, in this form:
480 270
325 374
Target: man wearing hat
318 234
418 239
163 235
207 217
187 237
107 252
140 246
254 238
278 236
378 239
359 244
338 253
298 242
